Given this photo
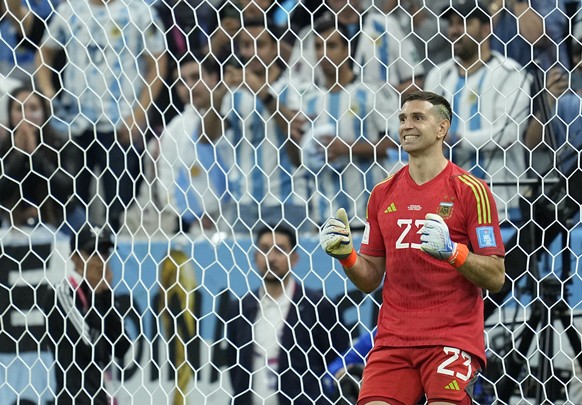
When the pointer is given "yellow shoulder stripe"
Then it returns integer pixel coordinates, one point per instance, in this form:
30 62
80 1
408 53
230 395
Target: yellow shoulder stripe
382 182
481 196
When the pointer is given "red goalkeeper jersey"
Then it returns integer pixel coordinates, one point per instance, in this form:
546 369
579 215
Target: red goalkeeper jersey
427 301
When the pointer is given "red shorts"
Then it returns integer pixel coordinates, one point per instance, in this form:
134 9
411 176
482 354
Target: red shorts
401 375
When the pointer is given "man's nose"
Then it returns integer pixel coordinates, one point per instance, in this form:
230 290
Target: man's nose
405 123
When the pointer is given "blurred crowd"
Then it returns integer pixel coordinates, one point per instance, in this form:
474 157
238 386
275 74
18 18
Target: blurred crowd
214 117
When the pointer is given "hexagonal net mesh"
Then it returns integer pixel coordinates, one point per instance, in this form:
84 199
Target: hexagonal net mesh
167 166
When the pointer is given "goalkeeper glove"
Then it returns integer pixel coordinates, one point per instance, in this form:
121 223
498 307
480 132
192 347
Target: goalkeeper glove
435 241
336 239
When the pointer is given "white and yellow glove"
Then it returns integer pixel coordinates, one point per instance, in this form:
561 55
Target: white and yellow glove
436 241
335 238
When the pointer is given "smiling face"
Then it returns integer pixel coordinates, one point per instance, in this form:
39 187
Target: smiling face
275 257
423 127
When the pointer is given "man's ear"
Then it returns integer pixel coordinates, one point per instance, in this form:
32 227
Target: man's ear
443 128
294 258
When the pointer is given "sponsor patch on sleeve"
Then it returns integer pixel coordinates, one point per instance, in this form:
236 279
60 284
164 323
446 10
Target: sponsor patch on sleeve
486 237
366 236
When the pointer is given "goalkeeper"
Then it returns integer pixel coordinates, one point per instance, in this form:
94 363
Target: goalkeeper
432 233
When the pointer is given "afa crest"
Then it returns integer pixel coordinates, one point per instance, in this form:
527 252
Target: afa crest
445 209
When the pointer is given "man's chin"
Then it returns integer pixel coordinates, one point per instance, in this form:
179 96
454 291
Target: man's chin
271 278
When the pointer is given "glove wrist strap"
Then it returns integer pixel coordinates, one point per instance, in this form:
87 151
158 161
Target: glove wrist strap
459 256
350 260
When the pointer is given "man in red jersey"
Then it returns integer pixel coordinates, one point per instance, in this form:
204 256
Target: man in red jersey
432 230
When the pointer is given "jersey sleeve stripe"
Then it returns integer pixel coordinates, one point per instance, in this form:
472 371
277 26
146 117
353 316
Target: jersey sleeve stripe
483 205
485 198
382 182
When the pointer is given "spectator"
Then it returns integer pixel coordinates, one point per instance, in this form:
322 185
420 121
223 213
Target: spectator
22 25
381 52
188 24
548 127
115 64
281 336
531 32
491 105
259 106
188 27
420 22
36 172
277 14
340 148
305 13
222 43
191 172
273 13
85 328
557 125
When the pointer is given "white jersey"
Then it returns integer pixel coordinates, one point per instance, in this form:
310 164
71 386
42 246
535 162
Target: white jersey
491 108
383 54
192 173
345 182
261 169
104 45
7 85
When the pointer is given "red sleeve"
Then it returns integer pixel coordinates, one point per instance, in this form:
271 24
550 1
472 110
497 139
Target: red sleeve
482 219
373 240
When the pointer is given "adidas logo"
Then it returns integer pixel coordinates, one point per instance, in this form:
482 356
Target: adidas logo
453 385
391 208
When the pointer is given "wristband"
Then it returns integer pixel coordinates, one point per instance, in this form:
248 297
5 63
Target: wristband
460 256
350 260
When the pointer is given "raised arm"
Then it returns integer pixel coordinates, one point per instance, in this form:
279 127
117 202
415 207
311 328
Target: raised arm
365 271
44 61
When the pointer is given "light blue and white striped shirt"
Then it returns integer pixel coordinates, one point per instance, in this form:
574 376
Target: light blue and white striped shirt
262 171
191 173
346 182
105 47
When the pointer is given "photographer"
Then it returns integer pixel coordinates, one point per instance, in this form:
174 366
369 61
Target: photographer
85 327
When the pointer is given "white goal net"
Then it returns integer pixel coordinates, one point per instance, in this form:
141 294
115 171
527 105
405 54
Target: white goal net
209 140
